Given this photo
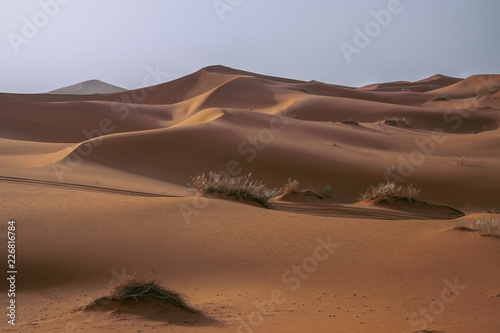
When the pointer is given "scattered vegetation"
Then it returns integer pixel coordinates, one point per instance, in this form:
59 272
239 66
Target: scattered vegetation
245 189
350 122
135 291
398 122
239 188
461 161
487 92
440 99
487 228
326 191
385 193
292 186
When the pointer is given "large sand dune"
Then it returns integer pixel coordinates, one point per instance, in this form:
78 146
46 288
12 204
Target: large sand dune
98 186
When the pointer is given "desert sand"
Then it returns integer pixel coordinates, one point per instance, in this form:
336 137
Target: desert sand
97 182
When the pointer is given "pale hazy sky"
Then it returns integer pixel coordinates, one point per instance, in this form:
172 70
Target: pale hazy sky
47 44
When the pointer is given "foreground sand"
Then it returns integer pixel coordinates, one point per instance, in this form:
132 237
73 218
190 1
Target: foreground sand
74 245
93 213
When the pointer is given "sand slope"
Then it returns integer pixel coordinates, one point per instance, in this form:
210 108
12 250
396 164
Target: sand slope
98 185
267 125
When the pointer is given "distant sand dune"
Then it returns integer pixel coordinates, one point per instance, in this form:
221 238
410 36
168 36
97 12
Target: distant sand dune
88 88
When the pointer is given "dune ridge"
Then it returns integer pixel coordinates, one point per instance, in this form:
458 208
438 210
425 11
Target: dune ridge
228 107
98 184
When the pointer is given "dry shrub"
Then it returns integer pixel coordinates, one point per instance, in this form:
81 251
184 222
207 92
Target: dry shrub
292 186
487 228
239 188
388 192
135 291
350 122
440 99
397 122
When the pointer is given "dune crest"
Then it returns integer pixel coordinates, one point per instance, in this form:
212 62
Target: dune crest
108 186
267 125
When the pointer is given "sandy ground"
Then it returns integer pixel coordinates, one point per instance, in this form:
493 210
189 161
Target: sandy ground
97 185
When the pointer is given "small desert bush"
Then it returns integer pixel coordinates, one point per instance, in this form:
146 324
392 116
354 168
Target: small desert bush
240 188
487 227
398 122
135 291
440 99
350 122
292 186
325 193
487 92
387 192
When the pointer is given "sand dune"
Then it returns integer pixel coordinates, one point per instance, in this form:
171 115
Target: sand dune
431 83
89 87
97 183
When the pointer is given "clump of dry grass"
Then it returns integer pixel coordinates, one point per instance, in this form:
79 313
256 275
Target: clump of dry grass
239 188
388 192
292 186
398 122
486 228
440 99
135 291
487 92
350 122
325 192
461 161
